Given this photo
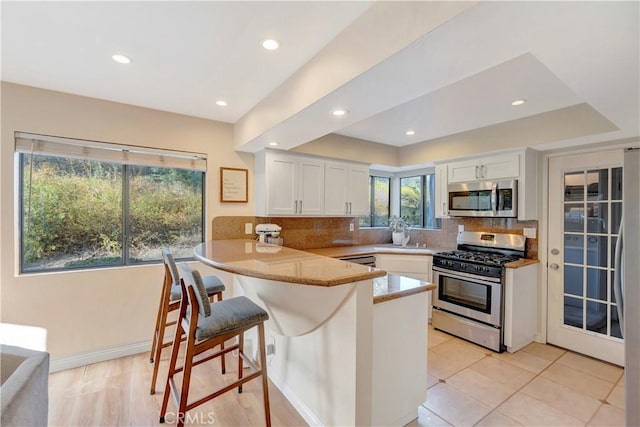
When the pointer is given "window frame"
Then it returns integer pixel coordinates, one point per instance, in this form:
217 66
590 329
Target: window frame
126 236
372 176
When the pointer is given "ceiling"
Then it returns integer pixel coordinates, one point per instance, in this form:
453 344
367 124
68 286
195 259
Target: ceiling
437 68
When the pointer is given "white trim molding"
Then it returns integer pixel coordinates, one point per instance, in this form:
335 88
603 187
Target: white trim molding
70 362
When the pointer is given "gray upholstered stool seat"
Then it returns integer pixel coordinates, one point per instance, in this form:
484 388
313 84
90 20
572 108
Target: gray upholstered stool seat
206 326
228 315
170 301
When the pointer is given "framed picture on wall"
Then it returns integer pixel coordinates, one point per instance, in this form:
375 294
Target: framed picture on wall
233 185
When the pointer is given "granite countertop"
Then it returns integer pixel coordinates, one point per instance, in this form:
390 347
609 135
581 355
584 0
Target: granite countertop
521 263
345 251
394 286
272 262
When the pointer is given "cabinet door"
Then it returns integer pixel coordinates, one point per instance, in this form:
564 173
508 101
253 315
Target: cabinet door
441 199
500 167
281 185
466 170
335 188
358 188
310 186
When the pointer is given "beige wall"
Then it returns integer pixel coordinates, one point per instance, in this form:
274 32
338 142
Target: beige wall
347 148
86 311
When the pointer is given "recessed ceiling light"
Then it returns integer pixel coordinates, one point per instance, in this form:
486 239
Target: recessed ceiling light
270 44
274 144
221 103
410 132
518 102
339 112
120 58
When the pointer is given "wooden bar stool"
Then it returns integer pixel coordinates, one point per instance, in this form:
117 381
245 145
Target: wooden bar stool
170 301
206 326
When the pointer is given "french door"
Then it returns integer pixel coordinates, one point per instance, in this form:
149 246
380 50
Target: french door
585 209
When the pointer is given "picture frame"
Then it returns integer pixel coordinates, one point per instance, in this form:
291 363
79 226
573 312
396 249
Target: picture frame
234 184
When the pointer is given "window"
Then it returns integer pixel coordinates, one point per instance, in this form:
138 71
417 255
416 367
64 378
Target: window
379 188
86 204
417 201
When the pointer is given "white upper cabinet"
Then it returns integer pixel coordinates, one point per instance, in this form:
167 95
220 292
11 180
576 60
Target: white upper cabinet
495 167
288 184
441 200
346 190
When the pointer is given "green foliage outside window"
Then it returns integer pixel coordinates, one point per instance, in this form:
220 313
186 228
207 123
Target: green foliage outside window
75 213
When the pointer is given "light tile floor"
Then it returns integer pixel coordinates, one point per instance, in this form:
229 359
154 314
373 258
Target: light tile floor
540 385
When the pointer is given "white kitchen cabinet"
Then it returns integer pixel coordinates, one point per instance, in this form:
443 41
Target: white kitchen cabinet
520 306
520 164
441 199
289 185
346 189
414 266
502 166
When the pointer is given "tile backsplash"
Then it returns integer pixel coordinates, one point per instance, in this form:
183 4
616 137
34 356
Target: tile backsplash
322 232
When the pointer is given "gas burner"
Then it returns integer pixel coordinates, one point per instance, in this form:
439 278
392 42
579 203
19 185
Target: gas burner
481 257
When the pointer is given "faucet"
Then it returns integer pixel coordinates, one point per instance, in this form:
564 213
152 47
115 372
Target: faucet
406 236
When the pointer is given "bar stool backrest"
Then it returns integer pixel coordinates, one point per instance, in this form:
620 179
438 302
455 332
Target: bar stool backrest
194 279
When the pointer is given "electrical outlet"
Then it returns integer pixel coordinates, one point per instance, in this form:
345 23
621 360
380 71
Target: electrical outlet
351 227
460 227
248 228
529 232
271 349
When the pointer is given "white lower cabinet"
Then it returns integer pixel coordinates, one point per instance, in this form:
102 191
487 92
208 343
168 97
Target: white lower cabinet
414 266
520 306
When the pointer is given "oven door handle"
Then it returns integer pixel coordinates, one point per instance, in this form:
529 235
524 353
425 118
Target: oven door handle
462 274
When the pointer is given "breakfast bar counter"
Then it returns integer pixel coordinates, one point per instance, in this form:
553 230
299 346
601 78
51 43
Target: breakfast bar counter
349 342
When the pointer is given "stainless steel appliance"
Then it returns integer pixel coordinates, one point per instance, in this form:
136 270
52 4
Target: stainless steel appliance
627 285
484 199
469 300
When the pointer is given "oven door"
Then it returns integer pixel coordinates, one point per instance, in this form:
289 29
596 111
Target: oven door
476 297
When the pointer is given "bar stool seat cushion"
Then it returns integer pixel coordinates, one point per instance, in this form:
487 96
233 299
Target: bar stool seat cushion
229 315
212 284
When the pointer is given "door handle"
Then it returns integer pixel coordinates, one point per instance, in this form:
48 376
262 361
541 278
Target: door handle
554 266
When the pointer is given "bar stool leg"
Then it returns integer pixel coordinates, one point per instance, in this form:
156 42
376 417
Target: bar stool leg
172 370
240 352
159 345
265 379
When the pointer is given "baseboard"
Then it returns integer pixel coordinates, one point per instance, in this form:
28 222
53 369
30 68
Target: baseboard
77 360
296 402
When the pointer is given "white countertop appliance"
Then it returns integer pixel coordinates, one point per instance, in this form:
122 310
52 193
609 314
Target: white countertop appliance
268 233
470 280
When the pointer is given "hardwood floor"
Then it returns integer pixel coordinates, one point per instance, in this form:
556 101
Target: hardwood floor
116 393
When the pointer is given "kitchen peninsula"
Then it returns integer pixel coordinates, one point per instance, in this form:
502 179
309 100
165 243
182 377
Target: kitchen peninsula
349 341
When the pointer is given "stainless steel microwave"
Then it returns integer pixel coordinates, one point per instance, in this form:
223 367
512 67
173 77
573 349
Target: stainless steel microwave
484 199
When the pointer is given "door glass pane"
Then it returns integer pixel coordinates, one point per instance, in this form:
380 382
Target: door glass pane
597 317
573 248
616 216
574 186
573 312
598 184
597 284
597 214
597 251
573 280
615 322
616 184
574 217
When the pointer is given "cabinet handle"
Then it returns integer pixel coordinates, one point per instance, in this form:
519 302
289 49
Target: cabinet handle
444 208
346 208
477 172
481 171
296 206
300 206
349 208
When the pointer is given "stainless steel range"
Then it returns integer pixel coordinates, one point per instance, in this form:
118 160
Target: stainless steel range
469 299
